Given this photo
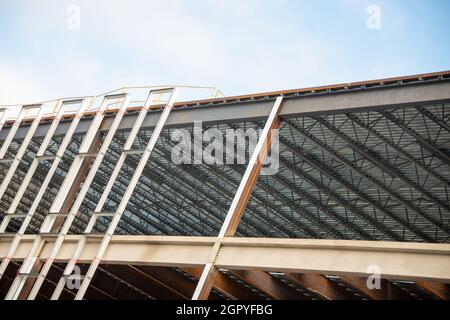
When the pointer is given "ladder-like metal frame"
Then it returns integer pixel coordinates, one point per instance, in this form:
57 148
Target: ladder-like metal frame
117 214
23 147
126 197
25 271
3 112
40 156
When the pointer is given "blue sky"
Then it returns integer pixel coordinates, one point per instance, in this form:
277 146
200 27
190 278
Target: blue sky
240 46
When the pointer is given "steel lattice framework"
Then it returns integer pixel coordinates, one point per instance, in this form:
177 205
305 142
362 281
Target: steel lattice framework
360 161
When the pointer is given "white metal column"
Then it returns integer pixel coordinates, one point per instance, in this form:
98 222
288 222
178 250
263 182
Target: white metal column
23 147
126 197
55 210
11 213
79 200
98 210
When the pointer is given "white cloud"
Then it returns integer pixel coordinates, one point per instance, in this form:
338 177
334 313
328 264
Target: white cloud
237 45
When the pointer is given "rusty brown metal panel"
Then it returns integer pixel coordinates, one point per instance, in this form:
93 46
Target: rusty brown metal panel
387 291
269 285
439 290
321 285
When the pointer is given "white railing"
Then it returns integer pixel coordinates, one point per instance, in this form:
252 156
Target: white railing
52 107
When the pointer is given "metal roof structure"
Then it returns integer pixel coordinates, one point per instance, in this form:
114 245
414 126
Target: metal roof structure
357 161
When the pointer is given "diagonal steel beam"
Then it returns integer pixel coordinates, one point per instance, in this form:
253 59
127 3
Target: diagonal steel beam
195 173
431 116
144 282
227 286
376 204
397 148
321 285
320 167
22 278
23 146
430 147
261 183
241 198
439 290
126 197
378 162
325 209
387 290
270 285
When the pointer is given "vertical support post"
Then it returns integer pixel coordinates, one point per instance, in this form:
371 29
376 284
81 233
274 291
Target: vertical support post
240 199
126 197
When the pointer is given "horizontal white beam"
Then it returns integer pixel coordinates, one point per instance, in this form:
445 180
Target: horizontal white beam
396 260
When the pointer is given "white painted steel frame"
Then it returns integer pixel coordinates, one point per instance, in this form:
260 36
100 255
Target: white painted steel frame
55 210
128 193
80 197
98 210
40 156
26 268
24 145
43 187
